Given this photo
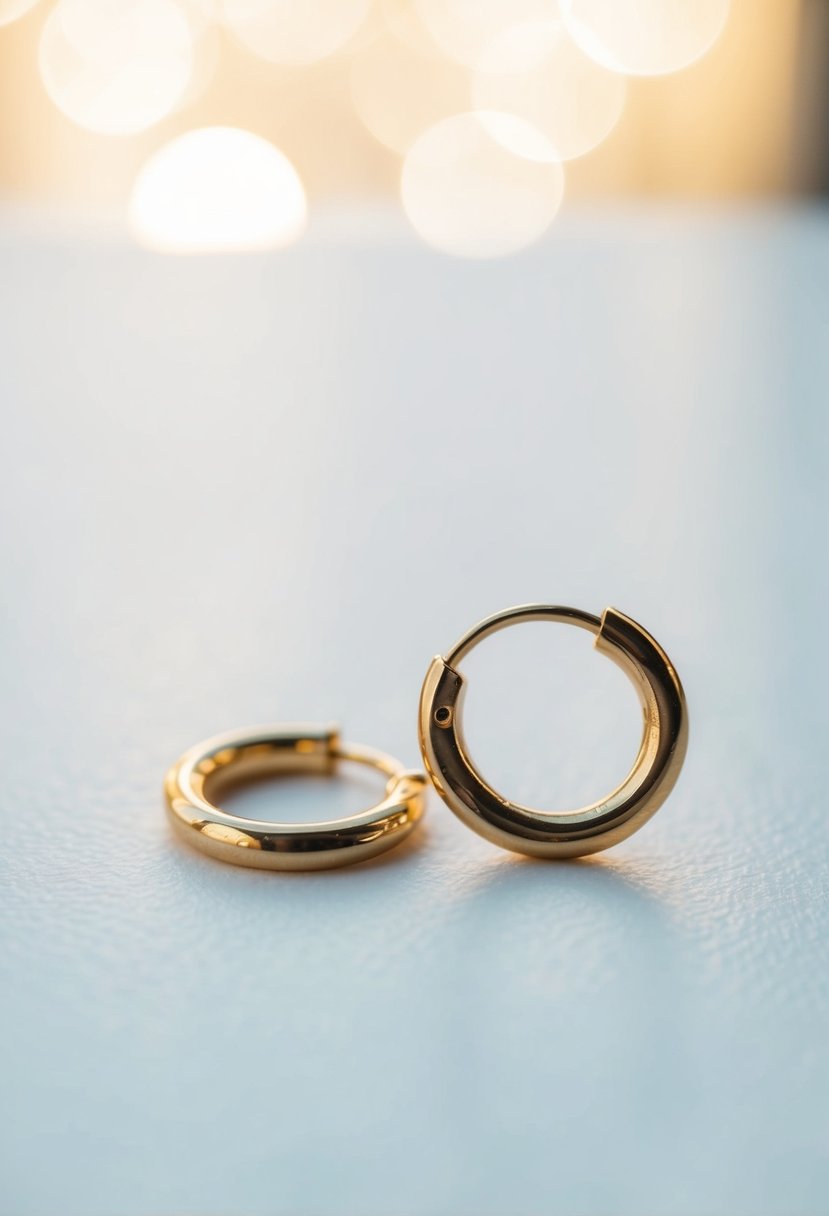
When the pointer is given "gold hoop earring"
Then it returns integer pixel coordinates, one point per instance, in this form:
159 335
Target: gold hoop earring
572 833
198 776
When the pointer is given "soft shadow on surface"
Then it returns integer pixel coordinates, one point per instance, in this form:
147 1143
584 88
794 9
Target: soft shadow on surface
608 911
599 875
600 925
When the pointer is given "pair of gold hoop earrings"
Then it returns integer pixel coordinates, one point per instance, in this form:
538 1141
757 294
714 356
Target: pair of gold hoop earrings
196 781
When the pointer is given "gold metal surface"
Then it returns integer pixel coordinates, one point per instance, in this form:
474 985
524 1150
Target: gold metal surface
559 833
201 774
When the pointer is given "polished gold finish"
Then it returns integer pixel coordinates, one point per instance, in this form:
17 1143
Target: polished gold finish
202 772
559 833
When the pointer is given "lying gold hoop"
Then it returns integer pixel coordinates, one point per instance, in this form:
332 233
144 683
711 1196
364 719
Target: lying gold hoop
548 833
201 771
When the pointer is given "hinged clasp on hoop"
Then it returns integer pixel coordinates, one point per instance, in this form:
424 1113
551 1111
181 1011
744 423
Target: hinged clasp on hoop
558 833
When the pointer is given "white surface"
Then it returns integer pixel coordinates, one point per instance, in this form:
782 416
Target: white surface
243 490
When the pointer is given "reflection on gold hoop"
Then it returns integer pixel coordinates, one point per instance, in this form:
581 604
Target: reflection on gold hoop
567 833
199 775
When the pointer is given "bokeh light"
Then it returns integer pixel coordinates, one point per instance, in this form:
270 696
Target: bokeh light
400 18
202 16
116 67
291 32
10 10
465 193
463 28
218 189
645 37
484 99
399 92
536 71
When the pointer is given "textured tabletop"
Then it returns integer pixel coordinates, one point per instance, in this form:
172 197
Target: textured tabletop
255 489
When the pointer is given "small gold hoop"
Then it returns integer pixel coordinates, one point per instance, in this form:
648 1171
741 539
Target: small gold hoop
553 833
200 773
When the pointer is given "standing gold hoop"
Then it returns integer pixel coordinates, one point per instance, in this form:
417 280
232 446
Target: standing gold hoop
200 774
553 833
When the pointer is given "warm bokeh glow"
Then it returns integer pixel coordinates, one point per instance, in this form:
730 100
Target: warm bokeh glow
645 37
217 190
292 32
466 194
10 10
356 83
400 18
399 92
537 72
203 18
464 28
116 66
202 14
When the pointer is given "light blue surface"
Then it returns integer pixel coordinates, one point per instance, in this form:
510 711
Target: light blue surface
246 490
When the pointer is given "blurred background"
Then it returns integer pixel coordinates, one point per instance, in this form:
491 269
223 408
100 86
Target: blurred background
480 119
272 487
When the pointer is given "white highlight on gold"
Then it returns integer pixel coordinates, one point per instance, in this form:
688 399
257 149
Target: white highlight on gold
116 66
466 194
11 10
536 71
217 189
399 92
294 31
463 28
645 37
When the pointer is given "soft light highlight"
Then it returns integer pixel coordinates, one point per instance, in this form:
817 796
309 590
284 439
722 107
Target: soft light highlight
537 72
463 28
399 92
645 37
116 68
11 10
217 190
287 32
466 194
